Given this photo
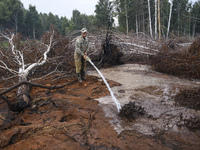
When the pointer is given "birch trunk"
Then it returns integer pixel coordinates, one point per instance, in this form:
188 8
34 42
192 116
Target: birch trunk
150 27
178 20
194 26
143 24
170 14
156 19
16 22
126 18
136 26
23 94
33 32
159 24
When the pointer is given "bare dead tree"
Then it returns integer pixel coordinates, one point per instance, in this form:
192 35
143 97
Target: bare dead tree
22 67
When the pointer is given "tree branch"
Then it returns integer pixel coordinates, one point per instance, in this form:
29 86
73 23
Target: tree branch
44 59
4 66
16 53
36 85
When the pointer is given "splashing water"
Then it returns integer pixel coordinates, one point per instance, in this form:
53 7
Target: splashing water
111 93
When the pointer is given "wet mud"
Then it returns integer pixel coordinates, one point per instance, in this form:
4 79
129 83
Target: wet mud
153 93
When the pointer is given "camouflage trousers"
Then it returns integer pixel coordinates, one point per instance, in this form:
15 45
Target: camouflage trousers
80 63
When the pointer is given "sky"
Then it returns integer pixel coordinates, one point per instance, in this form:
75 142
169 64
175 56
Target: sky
62 8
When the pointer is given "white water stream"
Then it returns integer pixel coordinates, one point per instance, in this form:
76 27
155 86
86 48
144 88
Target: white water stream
111 93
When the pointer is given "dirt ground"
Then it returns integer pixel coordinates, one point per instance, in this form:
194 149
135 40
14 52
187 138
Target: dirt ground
71 119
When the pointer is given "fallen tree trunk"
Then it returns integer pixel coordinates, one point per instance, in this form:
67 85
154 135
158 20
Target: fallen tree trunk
21 103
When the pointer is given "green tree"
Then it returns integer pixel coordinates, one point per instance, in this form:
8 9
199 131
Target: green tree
104 10
5 15
32 23
70 28
64 25
51 20
76 19
195 18
17 14
87 21
43 17
165 9
12 15
133 14
180 19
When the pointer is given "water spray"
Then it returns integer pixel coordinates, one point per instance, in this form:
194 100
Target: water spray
111 93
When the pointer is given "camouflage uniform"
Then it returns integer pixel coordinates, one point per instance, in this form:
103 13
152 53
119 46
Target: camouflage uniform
82 46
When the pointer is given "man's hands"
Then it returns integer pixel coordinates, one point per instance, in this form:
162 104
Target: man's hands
85 55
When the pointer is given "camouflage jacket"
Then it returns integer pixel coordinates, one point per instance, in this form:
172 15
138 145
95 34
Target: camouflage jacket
82 45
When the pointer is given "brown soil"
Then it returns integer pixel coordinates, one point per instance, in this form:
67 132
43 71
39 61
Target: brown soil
70 118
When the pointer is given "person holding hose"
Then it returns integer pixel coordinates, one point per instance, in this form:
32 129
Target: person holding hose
80 55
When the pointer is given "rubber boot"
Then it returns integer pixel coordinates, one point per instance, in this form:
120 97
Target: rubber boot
83 75
79 77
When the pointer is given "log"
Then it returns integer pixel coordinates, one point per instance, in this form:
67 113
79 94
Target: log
36 85
21 103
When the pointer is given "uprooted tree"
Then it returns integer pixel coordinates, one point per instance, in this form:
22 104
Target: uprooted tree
20 60
110 54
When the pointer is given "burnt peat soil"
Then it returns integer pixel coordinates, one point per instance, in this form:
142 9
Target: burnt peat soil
70 118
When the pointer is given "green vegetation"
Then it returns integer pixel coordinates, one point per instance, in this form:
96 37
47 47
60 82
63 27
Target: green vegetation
4 44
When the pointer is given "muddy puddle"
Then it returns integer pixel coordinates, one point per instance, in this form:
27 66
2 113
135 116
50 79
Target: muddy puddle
153 91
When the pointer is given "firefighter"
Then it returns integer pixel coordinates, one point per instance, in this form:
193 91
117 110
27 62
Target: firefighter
80 55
